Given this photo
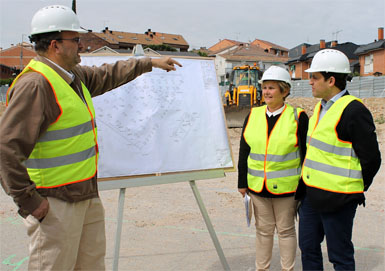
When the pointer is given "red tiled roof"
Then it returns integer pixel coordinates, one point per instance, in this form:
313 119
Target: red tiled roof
155 38
252 53
11 56
223 44
267 44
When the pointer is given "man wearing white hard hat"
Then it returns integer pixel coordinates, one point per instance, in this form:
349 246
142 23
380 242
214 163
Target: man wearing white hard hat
48 143
341 161
271 150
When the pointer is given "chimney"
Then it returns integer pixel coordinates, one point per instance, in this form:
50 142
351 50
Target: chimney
380 33
303 49
334 43
322 44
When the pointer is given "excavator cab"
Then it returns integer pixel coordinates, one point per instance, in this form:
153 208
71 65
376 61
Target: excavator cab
244 92
244 89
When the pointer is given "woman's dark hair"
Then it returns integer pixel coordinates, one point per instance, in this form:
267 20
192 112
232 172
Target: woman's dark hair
42 41
341 79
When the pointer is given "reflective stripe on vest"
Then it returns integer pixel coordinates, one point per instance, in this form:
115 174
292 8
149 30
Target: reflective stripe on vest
275 174
67 152
273 160
331 149
331 164
68 132
274 157
60 160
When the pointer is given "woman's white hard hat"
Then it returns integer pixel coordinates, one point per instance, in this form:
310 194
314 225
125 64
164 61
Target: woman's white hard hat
330 60
276 73
55 18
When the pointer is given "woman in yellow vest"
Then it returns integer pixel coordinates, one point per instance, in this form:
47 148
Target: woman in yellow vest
269 167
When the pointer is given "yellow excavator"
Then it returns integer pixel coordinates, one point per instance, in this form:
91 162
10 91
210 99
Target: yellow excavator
243 93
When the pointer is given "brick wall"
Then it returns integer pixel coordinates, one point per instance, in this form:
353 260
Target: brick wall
378 62
92 42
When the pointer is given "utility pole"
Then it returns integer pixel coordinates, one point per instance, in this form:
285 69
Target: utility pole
21 52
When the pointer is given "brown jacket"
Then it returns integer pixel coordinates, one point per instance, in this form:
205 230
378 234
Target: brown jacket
32 108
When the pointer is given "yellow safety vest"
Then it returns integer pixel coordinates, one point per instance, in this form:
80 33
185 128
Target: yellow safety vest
67 152
273 159
330 163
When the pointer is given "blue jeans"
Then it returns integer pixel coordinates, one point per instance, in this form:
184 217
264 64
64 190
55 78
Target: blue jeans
336 226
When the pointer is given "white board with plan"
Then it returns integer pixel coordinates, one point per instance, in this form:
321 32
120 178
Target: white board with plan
162 122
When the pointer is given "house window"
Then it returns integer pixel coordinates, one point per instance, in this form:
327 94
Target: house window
368 65
292 68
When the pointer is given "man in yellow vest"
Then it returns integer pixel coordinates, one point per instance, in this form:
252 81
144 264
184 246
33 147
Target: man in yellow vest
48 143
341 161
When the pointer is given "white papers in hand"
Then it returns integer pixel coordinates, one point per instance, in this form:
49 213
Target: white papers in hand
249 209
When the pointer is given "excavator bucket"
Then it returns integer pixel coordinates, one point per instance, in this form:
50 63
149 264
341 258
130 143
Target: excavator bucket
235 116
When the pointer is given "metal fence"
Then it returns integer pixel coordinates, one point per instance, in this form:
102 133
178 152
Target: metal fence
3 93
361 87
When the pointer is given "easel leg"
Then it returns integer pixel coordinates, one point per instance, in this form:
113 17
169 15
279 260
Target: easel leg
209 225
118 233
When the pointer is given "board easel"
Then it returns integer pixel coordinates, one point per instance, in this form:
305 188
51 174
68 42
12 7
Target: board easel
191 177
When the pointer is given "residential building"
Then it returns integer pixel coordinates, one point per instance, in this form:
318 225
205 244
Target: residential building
125 40
15 58
300 57
244 54
372 56
271 48
92 42
224 44
7 72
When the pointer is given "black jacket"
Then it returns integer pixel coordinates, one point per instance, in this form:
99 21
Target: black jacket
356 125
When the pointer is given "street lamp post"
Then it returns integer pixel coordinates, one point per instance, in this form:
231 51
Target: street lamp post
21 52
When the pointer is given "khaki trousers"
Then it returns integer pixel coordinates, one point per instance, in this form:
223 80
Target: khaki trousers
70 237
271 214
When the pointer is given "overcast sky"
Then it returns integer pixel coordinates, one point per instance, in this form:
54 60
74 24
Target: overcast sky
204 22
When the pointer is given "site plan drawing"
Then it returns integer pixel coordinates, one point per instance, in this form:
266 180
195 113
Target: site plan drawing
162 121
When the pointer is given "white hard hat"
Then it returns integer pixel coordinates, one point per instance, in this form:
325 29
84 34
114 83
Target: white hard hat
330 60
275 73
55 18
